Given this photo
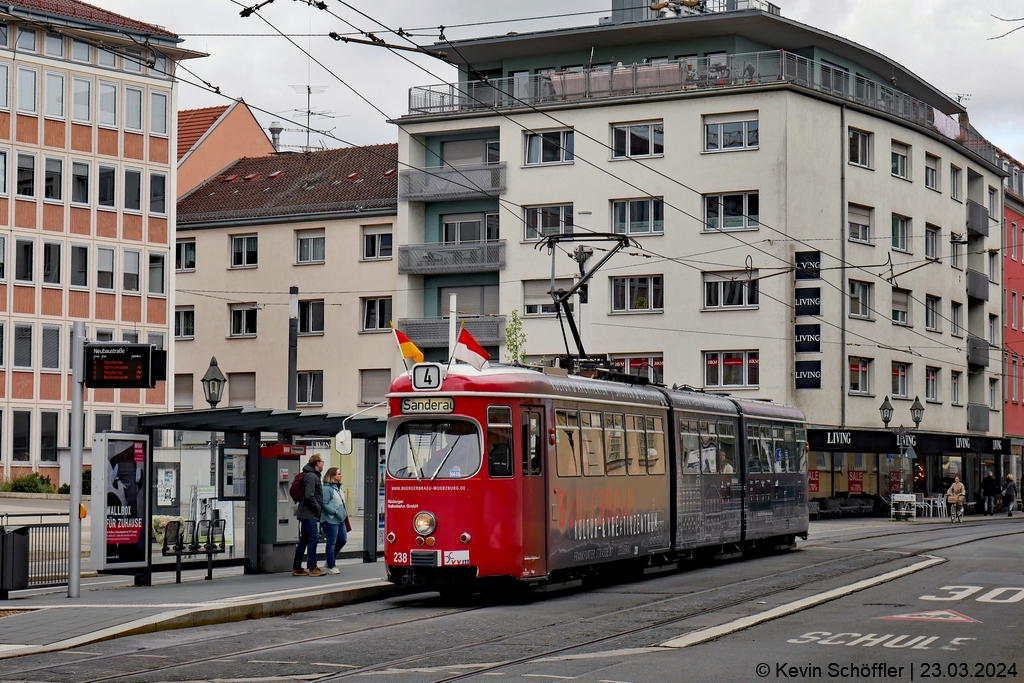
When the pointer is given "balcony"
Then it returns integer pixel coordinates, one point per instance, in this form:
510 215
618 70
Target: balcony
432 333
443 259
977 351
692 74
977 285
977 218
977 417
444 183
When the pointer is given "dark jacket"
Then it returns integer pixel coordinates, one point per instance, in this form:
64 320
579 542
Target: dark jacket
989 486
312 503
1010 491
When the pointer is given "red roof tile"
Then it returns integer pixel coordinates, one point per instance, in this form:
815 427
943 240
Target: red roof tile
90 13
193 124
296 184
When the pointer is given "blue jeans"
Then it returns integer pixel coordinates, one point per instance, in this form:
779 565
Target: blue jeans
990 504
335 541
309 536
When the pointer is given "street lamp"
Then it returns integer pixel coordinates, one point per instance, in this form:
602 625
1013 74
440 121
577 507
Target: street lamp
213 383
886 410
901 432
917 412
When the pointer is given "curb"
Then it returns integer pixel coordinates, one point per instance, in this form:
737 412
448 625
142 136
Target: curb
42 496
221 614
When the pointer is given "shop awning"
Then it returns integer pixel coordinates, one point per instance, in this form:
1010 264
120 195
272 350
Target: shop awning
236 419
882 441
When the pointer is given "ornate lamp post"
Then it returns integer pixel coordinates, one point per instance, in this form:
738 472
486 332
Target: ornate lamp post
213 383
901 432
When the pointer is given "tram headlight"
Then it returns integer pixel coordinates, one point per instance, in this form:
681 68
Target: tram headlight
424 523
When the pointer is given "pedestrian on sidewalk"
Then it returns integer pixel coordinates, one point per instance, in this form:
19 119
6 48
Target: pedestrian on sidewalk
333 518
989 487
308 513
1009 495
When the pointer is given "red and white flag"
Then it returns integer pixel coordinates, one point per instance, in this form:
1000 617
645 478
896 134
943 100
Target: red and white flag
469 350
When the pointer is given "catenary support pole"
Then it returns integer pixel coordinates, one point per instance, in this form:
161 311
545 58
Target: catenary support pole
452 325
77 435
293 347
371 484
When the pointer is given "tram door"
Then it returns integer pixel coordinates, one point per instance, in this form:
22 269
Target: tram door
533 509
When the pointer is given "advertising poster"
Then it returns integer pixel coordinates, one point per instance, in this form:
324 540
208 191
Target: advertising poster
855 479
126 502
894 482
812 481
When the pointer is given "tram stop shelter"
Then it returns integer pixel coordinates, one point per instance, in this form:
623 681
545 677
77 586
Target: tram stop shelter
191 477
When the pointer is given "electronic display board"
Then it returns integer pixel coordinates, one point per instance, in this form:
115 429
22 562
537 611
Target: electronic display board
119 366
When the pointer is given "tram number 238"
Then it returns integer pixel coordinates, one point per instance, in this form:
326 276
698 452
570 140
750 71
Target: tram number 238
400 558
426 376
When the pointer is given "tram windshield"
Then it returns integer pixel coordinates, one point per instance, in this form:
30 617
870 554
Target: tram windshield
435 449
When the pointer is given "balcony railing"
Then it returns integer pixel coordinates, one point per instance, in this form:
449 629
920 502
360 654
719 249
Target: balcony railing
438 259
977 218
690 74
977 351
451 182
977 417
977 285
432 333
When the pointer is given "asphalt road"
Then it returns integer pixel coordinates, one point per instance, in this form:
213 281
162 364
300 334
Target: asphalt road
871 601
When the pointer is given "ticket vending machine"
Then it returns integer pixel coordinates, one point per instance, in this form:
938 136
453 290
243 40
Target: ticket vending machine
279 530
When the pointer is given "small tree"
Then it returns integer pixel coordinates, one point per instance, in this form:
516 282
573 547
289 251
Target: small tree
515 339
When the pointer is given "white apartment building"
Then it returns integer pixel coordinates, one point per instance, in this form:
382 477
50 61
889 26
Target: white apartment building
811 224
87 133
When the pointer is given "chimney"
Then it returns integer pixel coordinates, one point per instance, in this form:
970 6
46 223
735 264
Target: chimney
275 134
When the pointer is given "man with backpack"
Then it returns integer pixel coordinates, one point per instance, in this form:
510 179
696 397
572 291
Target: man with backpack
307 490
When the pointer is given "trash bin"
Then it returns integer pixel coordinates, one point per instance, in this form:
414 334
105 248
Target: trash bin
13 560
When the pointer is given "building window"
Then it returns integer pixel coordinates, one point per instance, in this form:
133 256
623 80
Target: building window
50 357
183 390
185 255
731 368
955 310
25 260
311 317
900 380
1013 310
23 345
158 113
79 266
130 275
107 186
3 173
931 384
993 330
992 193
309 246
900 306
53 44
931 242
373 386
472 300
954 250
860 299
993 266
184 322
311 387
860 375
549 148
730 132
633 294
26 175
1013 241
132 109
954 388
954 182
931 172
376 314
860 148
104 423
900 233
932 313
731 290
51 263
160 67
859 220
3 258
79 182
80 51
157 193
132 190
53 179
81 100
104 268
21 445
638 140
156 340
242 389
27 88
1013 379
638 216
993 394
537 299
244 251
104 335
900 160
243 320
26 40
156 274
106 57
55 95
376 243
108 104
731 211
542 221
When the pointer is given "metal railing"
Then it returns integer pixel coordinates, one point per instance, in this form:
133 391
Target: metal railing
47 546
437 258
447 182
694 73
432 333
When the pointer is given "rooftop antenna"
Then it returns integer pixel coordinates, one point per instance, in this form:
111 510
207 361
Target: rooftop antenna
962 97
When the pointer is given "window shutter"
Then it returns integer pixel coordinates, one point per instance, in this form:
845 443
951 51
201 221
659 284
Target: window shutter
51 348
900 148
23 346
463 152
491 306
859 215
105 260
536 291
900 300
375 385
183 384
242 389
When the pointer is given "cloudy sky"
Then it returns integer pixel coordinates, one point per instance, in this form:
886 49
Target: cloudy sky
946 42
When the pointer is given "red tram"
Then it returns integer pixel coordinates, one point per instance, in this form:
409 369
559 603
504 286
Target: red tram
509 472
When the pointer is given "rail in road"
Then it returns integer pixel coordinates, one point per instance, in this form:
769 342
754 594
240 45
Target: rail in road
643 624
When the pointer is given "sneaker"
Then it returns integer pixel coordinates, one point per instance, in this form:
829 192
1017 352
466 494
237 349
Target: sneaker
299 572
316 571
333 570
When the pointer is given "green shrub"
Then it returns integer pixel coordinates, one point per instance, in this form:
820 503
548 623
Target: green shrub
31 483
86 484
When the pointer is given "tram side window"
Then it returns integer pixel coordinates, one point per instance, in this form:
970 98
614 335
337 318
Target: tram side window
788 450
689 451
655 446
768 464
615 444
726 448
801 450
753 451
532 444
567 443
708 447
499 441
636 445
593 444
